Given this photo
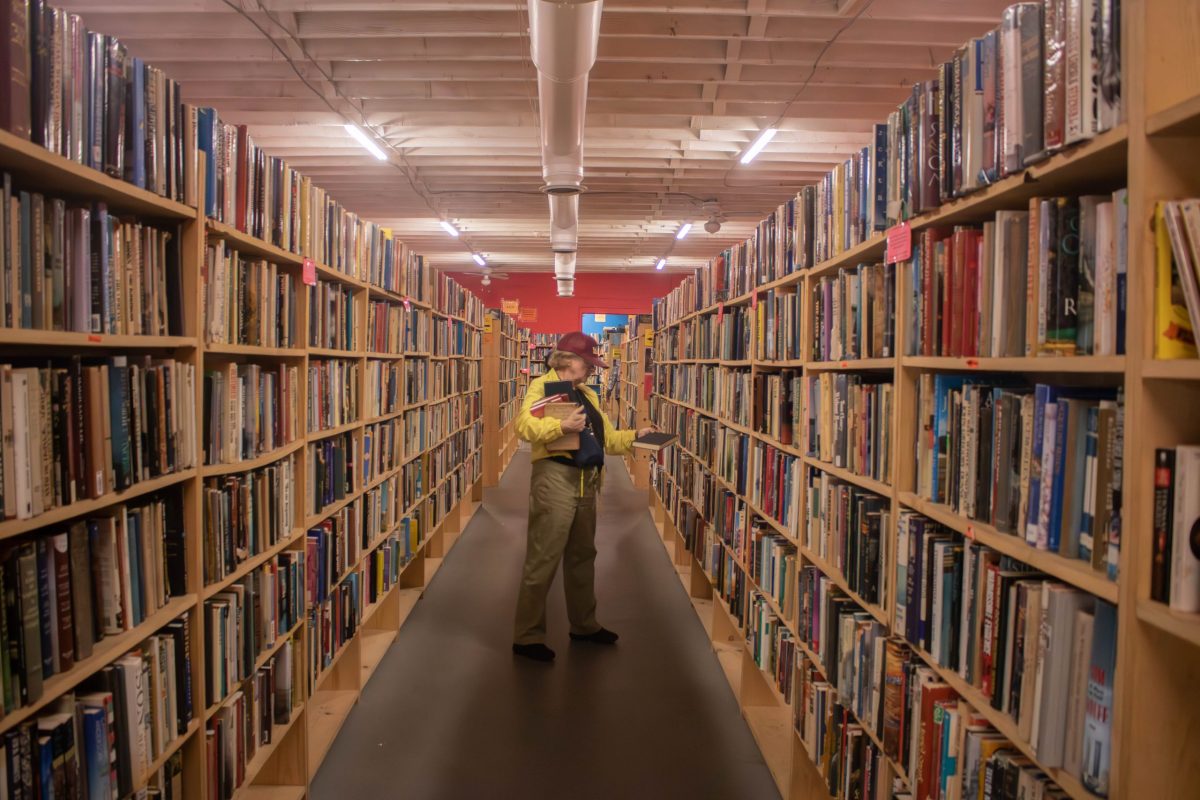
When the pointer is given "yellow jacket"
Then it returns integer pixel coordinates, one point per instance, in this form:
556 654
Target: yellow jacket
539 431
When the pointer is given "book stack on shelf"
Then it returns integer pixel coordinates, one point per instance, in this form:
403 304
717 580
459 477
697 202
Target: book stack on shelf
501 379
541 345
215 517
632 400
934 552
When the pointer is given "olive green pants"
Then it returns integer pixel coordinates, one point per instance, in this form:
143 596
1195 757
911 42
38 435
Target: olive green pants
562 526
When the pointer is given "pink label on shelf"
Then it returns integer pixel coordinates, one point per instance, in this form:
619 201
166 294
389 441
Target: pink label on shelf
310 272
899 243
720 313
754 300
972 362
93 337
407 304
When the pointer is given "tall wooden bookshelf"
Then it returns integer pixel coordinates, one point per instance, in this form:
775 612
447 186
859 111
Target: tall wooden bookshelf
632 410
1154 153
502 391
431 511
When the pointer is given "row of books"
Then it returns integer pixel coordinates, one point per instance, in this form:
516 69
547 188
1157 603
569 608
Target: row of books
246 514
848 422
67 267
453 452
383 506
418 333
384 380
250 718
247 300
1046 281
775 483
76 430
332 393
382 451
263 196
456 338
777 325
453 299
80 94
65 591
334 546
331 467
771 561
770 643
249 410
1027 642
332 316
1175 565
385 327
1042 462
333 622
247 618
854 314
101 740
849 529
412 478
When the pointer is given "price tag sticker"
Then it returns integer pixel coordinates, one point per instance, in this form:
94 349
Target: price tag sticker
970 532
407 304
93 338
720 313
310 272
754 300
899 243
973 363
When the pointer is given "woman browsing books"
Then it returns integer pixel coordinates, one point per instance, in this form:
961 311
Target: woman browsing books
561 418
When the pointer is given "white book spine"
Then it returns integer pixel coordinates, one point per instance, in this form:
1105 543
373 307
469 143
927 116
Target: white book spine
1185 566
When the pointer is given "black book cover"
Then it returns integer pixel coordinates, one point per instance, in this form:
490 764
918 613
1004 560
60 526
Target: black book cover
45 572
114 107
29 628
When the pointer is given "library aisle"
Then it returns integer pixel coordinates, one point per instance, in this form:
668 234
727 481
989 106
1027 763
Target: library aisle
652 717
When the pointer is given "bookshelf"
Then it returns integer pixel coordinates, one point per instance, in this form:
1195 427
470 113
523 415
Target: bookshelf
502 391
1151 153
401 531
631 409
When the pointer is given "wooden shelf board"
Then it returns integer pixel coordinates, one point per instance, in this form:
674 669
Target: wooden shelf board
263 755
210 470
835 575
270 793
772 729
408 602
862 481
329 510
334 352
854 363
253 563
1181 119
104 652
1183 369
260 660
223 349
28 337
374 647
15 527
1179 624
1070 570
327 712
1114 365
36 168
730 656
245 243
325 433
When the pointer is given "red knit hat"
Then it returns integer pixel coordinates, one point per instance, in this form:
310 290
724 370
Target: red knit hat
580 344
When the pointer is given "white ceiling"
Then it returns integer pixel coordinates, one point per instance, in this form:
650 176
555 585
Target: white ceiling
680 89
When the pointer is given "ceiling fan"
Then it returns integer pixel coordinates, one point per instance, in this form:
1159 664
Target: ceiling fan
489 276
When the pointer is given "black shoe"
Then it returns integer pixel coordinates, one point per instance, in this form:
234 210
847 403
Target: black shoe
537 652
602 636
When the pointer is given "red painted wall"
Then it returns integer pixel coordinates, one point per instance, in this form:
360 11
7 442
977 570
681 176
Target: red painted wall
595 292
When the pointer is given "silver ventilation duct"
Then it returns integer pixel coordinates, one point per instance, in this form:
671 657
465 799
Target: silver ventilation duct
564 36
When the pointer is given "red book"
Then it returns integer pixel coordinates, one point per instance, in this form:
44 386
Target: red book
932 695
15 115
955 295
243 170
973 240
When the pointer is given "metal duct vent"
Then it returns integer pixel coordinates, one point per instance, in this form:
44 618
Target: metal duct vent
564 36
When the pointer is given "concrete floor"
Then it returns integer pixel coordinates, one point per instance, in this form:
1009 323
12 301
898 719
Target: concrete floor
451 714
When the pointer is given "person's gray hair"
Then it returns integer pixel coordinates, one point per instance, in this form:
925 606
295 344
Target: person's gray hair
560 358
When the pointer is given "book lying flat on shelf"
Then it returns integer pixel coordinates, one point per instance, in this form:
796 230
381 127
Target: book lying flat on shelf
655 441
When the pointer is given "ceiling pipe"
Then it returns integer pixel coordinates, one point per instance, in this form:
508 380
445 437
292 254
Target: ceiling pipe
564 273
564 36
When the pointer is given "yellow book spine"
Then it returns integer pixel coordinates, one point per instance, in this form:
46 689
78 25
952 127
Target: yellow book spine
1173 334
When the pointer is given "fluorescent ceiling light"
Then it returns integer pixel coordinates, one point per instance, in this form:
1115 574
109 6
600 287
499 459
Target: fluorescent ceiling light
479 259
450 229
366 141
763 138
687 227
662 262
